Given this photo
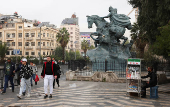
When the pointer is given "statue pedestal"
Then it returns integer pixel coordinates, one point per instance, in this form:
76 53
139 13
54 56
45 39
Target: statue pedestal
105 58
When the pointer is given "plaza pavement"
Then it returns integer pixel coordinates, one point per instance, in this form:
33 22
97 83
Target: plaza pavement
86 94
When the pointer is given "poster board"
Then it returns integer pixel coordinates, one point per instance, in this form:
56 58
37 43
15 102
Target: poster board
133 70
133 76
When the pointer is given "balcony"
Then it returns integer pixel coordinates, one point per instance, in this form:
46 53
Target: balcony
44 47
9 39
43 38
11 47
28 38
28 47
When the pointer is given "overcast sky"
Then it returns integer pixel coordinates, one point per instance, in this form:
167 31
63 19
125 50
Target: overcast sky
54 11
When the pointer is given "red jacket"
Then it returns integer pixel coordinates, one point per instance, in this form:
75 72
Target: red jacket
53 69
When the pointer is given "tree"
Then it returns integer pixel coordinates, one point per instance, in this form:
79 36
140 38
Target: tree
85 46
71 55
91 47
162 43
63 39
58 53
152 15
3 50
139 38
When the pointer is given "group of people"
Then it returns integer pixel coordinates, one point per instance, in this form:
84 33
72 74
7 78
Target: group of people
27 72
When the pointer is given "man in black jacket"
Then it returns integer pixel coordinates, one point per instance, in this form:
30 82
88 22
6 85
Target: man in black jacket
152 82
49 72
9 71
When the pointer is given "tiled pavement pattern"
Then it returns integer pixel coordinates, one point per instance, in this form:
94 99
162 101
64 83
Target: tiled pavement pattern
86 94
90 94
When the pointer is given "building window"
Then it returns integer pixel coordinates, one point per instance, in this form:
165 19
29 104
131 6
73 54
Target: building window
8 44
32 43
26 43
20 27
8 35
43 43
27 53
0 34
32 34
43 53
12 24
8 53
13 35
19 43
12 53
43 34
26 34
32 53
71 32
38 43
71 28
38 53
20 35
20 53
47 34
47 43
13 43
39 34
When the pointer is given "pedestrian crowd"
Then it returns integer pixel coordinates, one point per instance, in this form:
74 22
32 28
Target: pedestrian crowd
27 73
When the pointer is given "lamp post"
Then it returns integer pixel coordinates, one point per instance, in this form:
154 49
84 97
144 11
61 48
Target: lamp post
40 47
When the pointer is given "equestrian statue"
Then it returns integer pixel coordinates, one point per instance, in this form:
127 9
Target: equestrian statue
108 36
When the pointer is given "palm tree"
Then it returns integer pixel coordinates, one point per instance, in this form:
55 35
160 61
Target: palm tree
63 39
84 46
3 50
139 38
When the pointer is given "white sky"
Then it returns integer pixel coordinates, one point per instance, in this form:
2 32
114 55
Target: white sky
54 11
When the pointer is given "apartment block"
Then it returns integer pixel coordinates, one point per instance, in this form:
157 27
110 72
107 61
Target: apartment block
22 34
71 24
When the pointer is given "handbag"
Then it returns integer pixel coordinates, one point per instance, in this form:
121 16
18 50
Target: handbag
36 78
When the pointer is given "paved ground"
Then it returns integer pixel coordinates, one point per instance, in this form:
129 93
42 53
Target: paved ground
86 94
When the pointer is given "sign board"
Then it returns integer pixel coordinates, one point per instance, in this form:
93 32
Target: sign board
16 51
133 69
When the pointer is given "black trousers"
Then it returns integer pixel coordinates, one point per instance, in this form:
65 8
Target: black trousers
57 80
144 89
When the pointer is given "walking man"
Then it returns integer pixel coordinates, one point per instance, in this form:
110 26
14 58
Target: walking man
49 72
25 74
9 71
34 69
58 74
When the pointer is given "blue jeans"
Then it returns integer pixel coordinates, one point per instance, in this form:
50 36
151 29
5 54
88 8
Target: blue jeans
7 78
33 77
25 83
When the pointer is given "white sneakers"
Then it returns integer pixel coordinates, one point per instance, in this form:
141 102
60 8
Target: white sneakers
28 95
20 96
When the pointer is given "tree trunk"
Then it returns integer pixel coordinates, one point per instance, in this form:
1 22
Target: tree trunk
63 52
85 55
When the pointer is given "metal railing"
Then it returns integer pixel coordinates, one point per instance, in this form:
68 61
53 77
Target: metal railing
88 68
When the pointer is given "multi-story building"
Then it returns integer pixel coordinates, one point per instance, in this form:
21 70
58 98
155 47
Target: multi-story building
22 34
71 24
86 36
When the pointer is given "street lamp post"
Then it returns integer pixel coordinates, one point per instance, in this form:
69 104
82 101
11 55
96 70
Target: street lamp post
75 53
40 47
